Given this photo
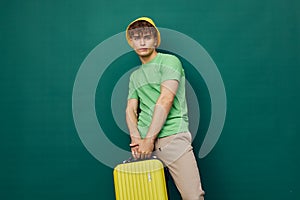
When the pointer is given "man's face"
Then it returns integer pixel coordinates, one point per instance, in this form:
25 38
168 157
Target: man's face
143 42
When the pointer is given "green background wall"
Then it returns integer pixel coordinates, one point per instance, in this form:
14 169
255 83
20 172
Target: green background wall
255 44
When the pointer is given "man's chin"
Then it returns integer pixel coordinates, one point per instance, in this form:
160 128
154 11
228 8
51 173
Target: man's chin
144 52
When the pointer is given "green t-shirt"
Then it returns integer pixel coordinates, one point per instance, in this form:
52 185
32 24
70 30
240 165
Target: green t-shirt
144 85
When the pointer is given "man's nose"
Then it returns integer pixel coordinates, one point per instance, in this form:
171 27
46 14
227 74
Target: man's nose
142 41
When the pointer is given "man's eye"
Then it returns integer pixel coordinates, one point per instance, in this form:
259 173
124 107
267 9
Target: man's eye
136 37
147 37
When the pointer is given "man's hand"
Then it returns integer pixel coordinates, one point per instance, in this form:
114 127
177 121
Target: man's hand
134 145
146 148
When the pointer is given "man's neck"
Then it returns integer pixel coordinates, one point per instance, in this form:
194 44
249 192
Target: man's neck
146 59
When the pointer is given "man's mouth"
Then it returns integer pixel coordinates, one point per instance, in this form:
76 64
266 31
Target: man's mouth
143 49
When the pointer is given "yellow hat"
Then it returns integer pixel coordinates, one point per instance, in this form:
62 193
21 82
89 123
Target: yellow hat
147 20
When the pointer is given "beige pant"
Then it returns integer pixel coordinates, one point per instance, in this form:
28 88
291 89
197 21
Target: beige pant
177 154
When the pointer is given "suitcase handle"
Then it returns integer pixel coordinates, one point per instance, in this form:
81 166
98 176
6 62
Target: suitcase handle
131 159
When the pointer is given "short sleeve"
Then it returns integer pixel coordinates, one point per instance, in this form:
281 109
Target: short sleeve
132 93
171 69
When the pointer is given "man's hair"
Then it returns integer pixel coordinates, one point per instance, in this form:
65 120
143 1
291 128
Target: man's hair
141 27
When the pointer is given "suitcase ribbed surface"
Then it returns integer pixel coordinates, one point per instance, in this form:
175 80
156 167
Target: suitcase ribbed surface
141 180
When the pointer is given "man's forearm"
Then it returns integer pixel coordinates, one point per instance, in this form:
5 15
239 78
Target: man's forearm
160 114
131 120
162 107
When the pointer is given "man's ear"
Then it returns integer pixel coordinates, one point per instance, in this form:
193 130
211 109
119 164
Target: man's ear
155 43
130 42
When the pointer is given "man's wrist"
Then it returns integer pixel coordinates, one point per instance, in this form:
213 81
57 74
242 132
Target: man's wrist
135 135
150 139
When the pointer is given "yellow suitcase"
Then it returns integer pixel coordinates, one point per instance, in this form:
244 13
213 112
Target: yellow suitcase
140 180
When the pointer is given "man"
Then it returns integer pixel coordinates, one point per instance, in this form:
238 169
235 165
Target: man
156 112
